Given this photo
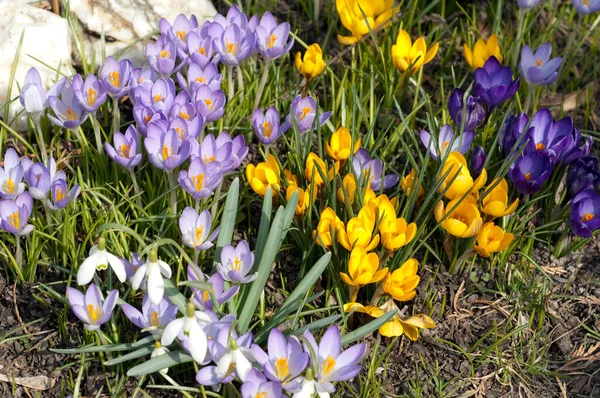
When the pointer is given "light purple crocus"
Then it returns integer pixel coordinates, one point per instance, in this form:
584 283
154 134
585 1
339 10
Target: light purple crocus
200 180
203 299
145 115
60 195
33 96
266 125
196 229
162 56
14 215
132 266
257 385
210 103
69 114
537 68
140 77
116 76
213 154
447 141
236 263
304 111
197 76
91 308
586 7
90 94
272 39
165 149
284 361
179 30
528 3
233 44
239 150
11 176
373 170
125 150
155 316
200 49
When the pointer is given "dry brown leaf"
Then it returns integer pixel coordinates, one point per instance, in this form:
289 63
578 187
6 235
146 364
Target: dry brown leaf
35 382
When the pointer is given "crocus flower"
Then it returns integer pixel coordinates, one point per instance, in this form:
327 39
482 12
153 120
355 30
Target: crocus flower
528 3
361 17
11 176
373 170
408 326
196 229
264 175
304 111
583 174
401 283
203 299
60 195
584 207
478 157
99 259
495 202
359 230
233 44
511 134
492 239
586 7
160 96
304 198
482 51
90 94
447 141
494 84
153 315
312 64
239 150
132 266
328 225
161 56
116 76
236 263
188 328
91 308
266 125
179 30
153 271
210 103
165 149
212 154
315 166
126 153
199 180
141 77
257 385
578 150
273 40
69 114
473 110
15 214
412 56
33 96
537 68
284 360
340 144
197 76
363 269
458 180
200 49
529 172
409 182
461 218
395 233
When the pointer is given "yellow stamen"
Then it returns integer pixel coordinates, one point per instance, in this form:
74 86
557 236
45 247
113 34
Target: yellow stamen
271 42
237 263
201 79
209 103
305 112
154 319
199 232
165 54
157 97
166 152
60 194
282 368
71 114
260 395
209 159
268 129
9 186
94 312
113 78
92 96
147 118
198 181
202 51
206 295
538 62
540 146
231 47
124 150
181 35
528 176
328 365
184 115
14 220
587 217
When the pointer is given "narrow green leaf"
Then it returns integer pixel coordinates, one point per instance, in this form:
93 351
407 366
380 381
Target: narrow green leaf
367 329
160 362
197 284
175 295
321 323
265 223
228 218
105 348
147 350
290 211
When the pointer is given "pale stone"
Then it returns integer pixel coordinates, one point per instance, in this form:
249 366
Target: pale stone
46 41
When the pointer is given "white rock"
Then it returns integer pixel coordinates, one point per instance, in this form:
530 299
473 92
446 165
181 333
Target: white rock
46 38
127 24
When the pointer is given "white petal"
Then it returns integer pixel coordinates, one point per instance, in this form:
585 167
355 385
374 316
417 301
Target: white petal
138 277
117 265
156 285
242 365
165 269
197 342
87 269
223 365
171 331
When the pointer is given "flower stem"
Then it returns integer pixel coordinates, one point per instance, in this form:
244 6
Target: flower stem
19 253
516 45
116 115
136 188
240 78
173 195
49 220
41 142
96 127
215 206
262 84
229 83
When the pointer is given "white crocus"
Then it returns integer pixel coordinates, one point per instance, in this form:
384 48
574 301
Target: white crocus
99 259
188 328
154 270
158 351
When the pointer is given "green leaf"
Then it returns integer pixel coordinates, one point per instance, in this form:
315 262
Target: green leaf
132 355
367 329
123 228
175 295
160 362
290 212
228 218
265 223
200 285
321 323
105 348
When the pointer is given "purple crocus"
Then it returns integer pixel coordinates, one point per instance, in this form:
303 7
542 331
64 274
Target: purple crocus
132 266
60 196
373 170
257 385
116 76
210 103
478 157
33 96
90 94
203 299
196 229
473 110
187 112
578 150
233 44
586 7
284 361
447 142
14 215
165 149
125 150
200 180
236 263
200 49
266 125
145 115
239 150
537 68
494 83
162 55
552 138
11 176
197 76
178 32
156 316
69 114
583 174
528 3
91 308
140 77
531 171
304 111
211 153
273 40
585 206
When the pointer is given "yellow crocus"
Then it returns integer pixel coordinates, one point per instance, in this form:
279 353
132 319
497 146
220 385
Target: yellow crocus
401 283
290 179
495 203
395 233
386 209
371 310
458 180
359 230
329 224
482 51
363 269
407 55
407 326
409 182
361 16
464 221
263 175
340 144
312 173
304 199
492 239
312 64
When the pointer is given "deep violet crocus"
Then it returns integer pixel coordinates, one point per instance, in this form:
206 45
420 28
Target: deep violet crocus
14 215
304 111
473 110
60 195
200 180
586 7
447 141
90 93
91 308
578 150
236 263
584 208
511 133
116 76
537 68
373 170
266 125
155 316
165 149
125 150
552 138
583 174
494 83
273 40
69 114
196 229
531 171
11 176
478 157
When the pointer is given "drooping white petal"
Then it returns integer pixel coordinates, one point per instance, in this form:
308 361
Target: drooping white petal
171 331
87 269
156 284
165 269
242 365
138 277
224 364
117 265
197 342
